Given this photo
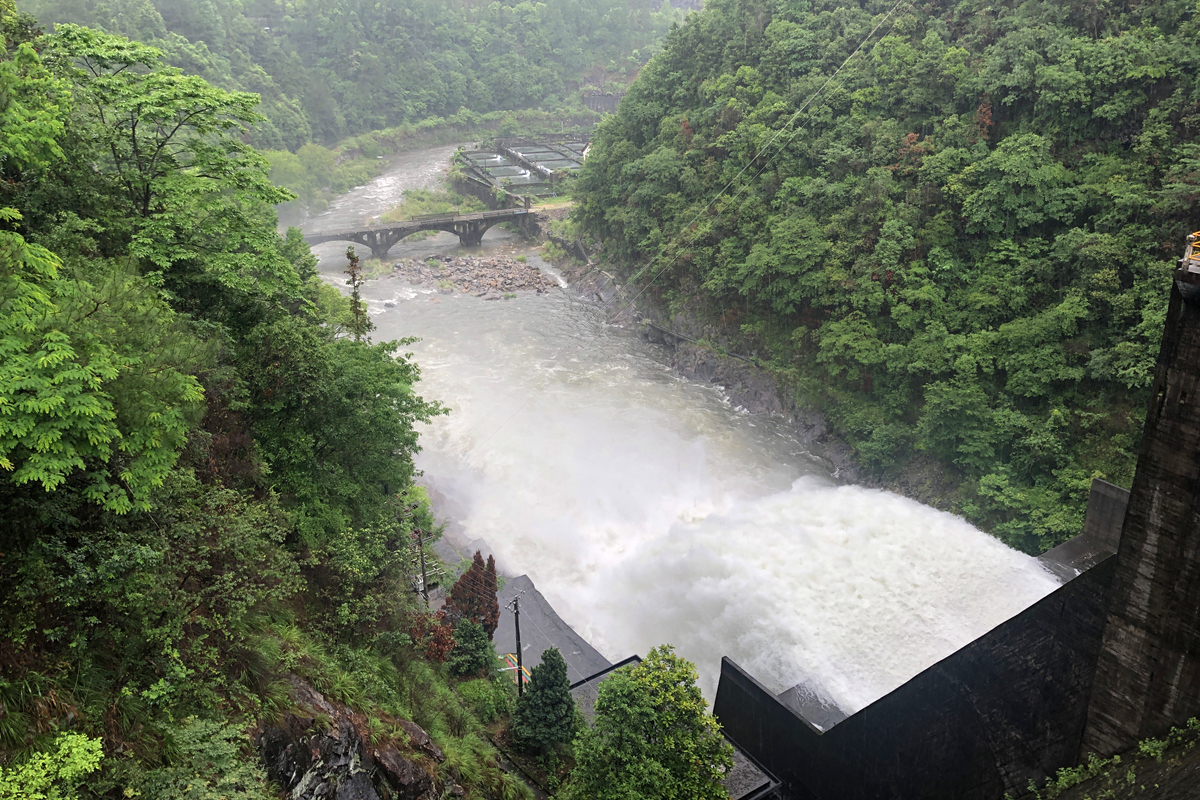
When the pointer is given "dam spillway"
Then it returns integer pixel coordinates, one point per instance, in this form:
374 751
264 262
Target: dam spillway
649 510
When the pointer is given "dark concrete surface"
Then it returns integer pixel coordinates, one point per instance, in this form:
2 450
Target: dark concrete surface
1101 534
542 628
1005 710
1148 677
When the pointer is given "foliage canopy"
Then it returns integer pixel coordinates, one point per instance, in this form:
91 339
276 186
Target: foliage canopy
957 248
545 715
652 737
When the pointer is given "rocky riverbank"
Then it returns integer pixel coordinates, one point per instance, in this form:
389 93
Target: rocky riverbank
489 277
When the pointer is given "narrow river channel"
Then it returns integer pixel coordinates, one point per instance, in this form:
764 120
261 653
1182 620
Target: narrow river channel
648 510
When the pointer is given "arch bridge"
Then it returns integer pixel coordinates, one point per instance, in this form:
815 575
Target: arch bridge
469 228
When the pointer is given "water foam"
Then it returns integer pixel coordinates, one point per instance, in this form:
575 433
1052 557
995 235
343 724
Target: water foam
648 511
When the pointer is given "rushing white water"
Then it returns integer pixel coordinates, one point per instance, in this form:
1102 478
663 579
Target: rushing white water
647 510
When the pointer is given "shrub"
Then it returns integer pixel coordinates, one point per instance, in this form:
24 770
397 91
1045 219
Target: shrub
545 715
472 653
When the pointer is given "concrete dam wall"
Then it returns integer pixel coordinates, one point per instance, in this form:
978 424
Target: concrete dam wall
1109 658
1006 709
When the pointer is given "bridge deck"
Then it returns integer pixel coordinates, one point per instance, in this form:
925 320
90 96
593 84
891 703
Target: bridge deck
416 223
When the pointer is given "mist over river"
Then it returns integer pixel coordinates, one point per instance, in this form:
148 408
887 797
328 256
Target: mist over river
648 510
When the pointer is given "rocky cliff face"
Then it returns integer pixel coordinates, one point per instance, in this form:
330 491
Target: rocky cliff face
324 750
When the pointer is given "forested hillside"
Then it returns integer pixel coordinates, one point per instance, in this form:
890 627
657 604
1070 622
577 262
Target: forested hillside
334 68
958 246
206 496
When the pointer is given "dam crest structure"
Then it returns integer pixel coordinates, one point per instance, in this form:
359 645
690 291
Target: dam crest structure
1109 658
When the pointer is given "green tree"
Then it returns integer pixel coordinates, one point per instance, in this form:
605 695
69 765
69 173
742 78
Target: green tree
334 419
652 737
545 715
472 654
172 148
93 379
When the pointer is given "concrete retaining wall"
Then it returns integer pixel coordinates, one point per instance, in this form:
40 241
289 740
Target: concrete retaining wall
1148 678
1007 709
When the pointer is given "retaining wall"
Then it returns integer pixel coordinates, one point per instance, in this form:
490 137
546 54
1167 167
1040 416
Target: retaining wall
1007 709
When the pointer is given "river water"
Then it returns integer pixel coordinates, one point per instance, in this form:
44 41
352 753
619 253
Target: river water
648 510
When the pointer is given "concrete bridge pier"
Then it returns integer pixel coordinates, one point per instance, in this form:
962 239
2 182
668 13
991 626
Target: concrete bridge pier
470 233
380 242
469 228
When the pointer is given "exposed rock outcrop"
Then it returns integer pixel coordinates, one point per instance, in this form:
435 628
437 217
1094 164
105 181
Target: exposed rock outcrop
323 751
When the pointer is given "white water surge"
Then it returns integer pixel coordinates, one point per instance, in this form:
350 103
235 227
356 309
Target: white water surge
647 510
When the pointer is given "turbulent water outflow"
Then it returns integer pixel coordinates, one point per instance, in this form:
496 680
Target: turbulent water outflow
647 510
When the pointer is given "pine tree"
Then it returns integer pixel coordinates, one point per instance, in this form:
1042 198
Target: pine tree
473 596
491 602
545 715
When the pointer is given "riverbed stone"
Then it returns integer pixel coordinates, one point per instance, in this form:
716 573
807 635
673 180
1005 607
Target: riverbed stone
475 275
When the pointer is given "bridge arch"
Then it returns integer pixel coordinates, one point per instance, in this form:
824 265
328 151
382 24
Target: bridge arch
469 228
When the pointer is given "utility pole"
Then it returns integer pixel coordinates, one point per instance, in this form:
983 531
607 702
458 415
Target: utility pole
515 606
424 577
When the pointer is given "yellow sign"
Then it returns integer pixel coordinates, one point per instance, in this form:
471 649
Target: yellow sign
511 660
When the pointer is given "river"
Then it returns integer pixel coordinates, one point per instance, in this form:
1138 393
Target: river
648 510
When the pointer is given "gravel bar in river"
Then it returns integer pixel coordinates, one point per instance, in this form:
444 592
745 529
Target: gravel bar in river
489 277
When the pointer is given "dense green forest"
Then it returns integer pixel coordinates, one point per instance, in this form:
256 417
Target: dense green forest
957 245
206 468
330 69
209 526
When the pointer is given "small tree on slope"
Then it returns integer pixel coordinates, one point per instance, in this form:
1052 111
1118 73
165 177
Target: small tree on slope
545 715
653 737
472 653
491 602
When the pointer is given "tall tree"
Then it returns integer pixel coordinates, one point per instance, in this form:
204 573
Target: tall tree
473 596
653 737
171 149
545 715
491 599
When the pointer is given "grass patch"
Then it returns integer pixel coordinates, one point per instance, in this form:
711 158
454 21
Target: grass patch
419 202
